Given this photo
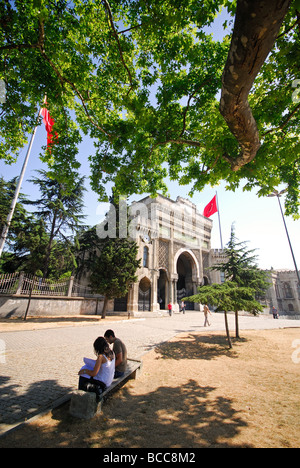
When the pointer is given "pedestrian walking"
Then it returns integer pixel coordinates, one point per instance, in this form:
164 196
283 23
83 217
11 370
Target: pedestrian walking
170 309
182 306
206 312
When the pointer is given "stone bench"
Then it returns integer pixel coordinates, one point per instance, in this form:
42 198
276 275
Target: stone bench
85 405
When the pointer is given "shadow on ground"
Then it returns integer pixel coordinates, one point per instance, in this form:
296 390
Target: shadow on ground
194 346
15 408
182 417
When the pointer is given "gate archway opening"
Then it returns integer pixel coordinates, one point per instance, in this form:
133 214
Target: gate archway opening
185 270
144 303
162 285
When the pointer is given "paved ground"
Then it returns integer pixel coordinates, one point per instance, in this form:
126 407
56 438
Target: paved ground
38 367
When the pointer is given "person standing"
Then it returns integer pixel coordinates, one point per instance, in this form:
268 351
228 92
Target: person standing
170 309
206 312
182 306
120 351
275 313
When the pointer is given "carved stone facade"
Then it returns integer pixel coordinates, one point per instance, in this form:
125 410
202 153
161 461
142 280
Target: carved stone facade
174 242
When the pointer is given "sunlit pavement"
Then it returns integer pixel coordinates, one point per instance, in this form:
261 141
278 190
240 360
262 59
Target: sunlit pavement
39 367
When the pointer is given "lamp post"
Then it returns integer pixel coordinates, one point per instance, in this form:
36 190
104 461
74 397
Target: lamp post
278 195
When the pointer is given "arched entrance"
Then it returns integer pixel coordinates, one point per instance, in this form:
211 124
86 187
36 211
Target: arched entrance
185 268
144 303
162 285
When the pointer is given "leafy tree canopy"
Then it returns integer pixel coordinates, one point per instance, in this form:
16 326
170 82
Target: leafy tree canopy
240 266
143 80
114 270
47 239
60 209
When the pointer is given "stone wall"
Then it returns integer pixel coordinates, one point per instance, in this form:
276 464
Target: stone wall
15 306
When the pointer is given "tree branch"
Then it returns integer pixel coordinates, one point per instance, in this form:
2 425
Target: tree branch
115 34
18 46
130 29
41 47
281 127
288 30
189 102
256 29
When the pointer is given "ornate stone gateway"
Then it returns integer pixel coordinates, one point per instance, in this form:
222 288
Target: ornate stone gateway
174 246
173 240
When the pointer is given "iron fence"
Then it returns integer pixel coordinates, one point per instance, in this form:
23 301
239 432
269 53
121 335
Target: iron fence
24 284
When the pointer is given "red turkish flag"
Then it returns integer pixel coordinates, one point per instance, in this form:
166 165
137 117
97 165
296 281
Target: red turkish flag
211 208
49 122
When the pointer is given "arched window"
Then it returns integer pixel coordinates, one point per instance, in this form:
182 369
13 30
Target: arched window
146 258
288 294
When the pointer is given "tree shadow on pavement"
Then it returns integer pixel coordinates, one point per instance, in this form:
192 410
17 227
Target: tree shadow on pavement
16 407
193 346
189 416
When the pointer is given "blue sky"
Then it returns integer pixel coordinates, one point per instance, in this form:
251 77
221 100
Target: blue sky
257 220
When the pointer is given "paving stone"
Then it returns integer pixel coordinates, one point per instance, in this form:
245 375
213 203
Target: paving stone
42 365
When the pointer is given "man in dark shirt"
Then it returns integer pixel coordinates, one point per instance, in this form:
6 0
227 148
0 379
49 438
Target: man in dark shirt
120 352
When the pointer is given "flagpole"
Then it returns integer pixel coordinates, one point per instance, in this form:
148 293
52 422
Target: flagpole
219 220
278 195
18 188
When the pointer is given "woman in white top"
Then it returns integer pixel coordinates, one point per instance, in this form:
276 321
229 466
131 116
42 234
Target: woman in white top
98 376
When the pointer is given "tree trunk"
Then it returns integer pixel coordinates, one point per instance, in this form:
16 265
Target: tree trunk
104 307
29 299
237 330
257 25
227 330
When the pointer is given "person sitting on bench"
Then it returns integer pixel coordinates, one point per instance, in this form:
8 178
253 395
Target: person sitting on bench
97 375
120 352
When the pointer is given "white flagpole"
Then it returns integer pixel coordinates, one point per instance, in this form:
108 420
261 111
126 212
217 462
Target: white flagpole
219 220
18 188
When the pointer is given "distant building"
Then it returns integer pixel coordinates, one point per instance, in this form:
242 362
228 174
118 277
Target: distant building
174 242
284 293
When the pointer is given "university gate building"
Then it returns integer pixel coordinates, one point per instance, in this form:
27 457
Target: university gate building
174 242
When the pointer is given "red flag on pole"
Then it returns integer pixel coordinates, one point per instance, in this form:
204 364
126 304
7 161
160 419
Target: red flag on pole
211 208
49 122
